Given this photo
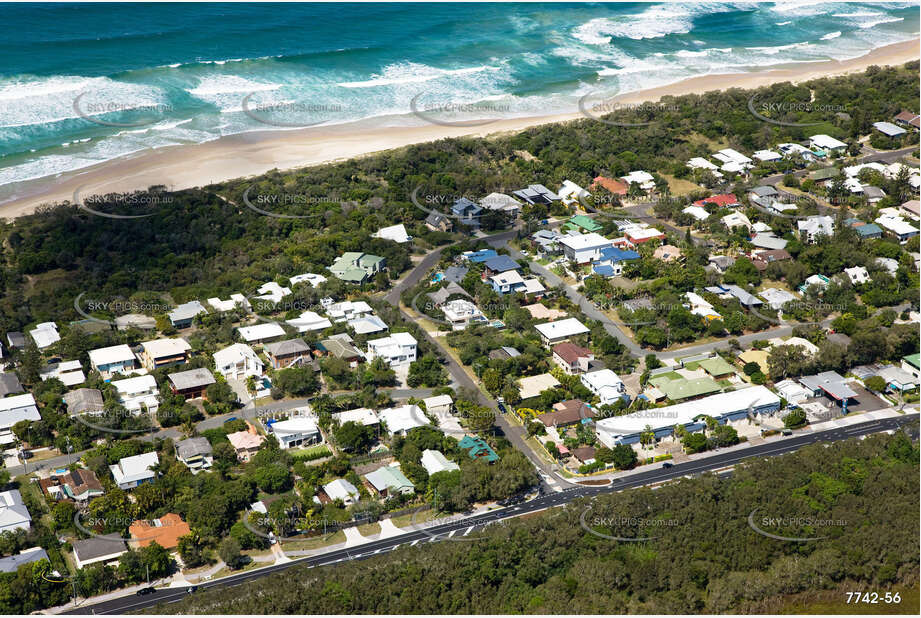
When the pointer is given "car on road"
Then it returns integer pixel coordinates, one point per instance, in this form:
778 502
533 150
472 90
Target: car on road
667 464
145 591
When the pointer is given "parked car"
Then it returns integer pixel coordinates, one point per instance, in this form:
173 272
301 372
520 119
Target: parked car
145 591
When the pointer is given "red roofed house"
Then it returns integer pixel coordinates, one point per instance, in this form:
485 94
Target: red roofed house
565 413
572 358
908 119
723 200
639 235
612 185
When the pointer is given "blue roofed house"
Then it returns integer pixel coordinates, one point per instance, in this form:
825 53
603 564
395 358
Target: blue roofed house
500 264
610 261
478 257
467 212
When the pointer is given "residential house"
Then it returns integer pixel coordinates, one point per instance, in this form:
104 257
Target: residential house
720 263
164 352
16 340
138 393
857 275
763 195
571 358
766 156
610 261
723 200
500 202
435 462
313 279
401 419
699 163
461 313
81 486
818 280
761 259
911 364
13 512
309 321
438 222
388 481
776 298
349 310
341 489
768 240
583 248
552 333
296 431
100 549
45 335
191 384
11 564
260 333
131 472
467 212
439 405
84 401
532 386
897 227
397 233
237 362
744 298
699 306
644 179
667 253
571 193
814 227
736 219
340 346
455 274
165 531
272 292
135 320
537 194
356 267
477 448
908 119
638 234
70 373
699 213
606 385
611 185
566 413
246 443
889 130
183 315
288 353
911 208
500 264
195 453
792 391
236 301
733 160
478 257
367 325
10 385
362 416
397 349
582 223
826 143
116 359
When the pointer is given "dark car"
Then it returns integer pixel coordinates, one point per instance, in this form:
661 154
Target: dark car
191 589
667 464
145 591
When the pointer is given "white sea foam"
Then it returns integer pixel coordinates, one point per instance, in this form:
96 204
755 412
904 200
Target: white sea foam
411 73
831 35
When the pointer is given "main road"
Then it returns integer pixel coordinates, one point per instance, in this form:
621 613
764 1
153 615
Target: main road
462 528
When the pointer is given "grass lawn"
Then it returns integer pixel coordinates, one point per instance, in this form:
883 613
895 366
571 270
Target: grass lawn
679 186
407 520
311 452
315 542
369 529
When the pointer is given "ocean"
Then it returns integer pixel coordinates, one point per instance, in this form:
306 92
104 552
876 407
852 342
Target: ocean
86 83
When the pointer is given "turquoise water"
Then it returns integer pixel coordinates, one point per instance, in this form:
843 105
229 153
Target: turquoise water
81 84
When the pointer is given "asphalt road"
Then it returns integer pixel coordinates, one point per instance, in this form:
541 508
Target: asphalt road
463 528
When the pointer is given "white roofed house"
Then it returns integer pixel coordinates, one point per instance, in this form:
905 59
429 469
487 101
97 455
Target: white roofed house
341 489
461 312
260 333
397 349
737 219
698 212
272 292
183 315
312 278
70 373
14 409
349 310
116 359
699 163
583 248
776 298
644 179
296 431
236 301
857 275
888 129
438 405
237 362
45 335
502 203
435 462
896 226
552 333
367 325
571 193
164 352
827 143
13 512
309 321
402 419
767 155
131 472
604 384
396 233
815 226
732 160
138 392
362 416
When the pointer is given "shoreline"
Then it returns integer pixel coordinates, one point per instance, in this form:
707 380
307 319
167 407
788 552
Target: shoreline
250 154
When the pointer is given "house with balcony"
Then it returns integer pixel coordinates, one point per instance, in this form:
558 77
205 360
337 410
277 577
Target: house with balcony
116 359
238 362
138 393
397 349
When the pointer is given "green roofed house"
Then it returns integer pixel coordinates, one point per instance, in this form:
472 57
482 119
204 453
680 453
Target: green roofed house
679 390
825 173
478 449
582 222
869 230
717 367
910 364
388 481
357 267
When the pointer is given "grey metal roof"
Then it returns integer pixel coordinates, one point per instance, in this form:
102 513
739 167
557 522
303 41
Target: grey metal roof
191 447
83 400
9 384
98 546
831 382
10 564
287 347
764 190
192 378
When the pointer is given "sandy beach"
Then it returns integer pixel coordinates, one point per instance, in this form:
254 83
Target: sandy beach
250 154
